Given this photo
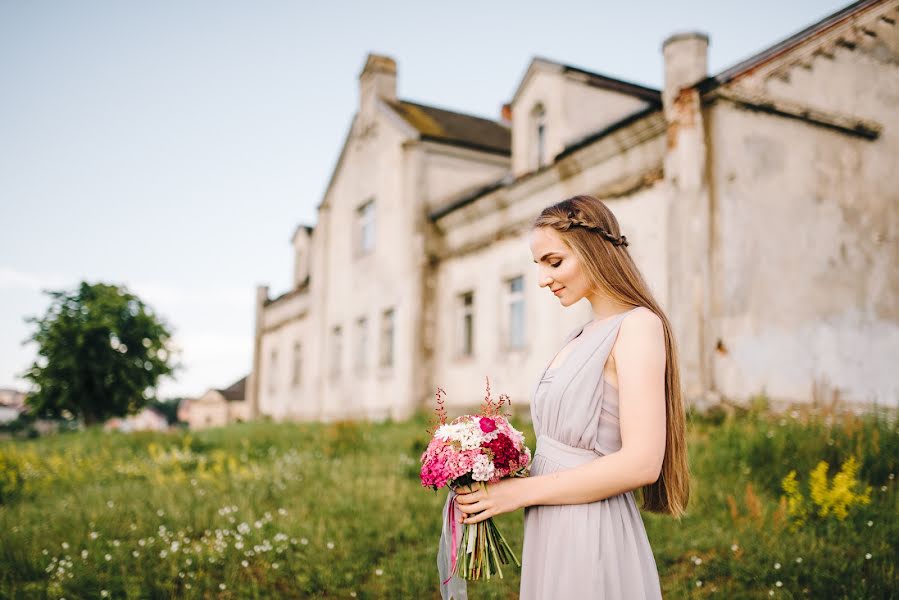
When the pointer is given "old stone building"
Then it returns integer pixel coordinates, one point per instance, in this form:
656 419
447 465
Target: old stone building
759 203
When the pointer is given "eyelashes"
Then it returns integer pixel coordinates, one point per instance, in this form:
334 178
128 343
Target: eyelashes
555 265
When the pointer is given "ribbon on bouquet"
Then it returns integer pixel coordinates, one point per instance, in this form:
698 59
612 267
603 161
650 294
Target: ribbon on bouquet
451 585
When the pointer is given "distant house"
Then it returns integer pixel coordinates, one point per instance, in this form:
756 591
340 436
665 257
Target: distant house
149 419
12 404
217 407
184 409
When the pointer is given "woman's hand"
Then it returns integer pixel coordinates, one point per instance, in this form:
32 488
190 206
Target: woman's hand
490 500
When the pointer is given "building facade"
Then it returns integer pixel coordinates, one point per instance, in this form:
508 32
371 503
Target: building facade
758 203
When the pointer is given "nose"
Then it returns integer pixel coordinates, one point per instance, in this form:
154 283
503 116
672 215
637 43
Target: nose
546 281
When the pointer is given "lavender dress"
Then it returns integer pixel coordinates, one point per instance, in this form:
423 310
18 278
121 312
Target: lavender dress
595 550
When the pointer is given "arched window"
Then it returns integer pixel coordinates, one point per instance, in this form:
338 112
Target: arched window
538 133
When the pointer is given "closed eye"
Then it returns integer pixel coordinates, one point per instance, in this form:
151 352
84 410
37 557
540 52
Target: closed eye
555 265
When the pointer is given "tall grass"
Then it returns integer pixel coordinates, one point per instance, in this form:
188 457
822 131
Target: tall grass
336 510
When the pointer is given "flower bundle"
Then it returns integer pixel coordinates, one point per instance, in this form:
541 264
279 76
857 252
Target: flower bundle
480 448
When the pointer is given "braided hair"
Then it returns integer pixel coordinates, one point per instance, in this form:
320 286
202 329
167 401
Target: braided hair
578 220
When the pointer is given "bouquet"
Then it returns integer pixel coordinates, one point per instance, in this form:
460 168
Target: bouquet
473 448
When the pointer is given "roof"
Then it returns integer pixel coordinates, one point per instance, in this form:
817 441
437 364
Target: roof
235 391
651 95
449 127
591 78
747 65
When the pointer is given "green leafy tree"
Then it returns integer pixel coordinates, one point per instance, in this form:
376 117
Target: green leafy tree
101 353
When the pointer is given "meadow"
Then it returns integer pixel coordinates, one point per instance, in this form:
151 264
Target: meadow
264 510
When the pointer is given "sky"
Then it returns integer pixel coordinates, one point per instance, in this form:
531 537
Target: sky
172 147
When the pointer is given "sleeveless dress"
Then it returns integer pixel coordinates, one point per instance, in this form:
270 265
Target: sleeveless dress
574 551
594 550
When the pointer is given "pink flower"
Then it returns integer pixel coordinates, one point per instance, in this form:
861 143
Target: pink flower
487 424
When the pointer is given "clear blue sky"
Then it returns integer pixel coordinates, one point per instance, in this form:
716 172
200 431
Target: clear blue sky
173 146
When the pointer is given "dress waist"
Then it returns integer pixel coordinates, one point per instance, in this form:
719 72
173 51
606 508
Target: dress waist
563 454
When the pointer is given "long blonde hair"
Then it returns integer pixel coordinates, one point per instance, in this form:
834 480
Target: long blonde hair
591 231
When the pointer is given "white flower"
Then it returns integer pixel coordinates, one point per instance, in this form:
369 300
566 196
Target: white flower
379 572
799 559
108 557
776 565
870 523
734 547
244 563
483 469
222 586
104 594
160 512
330 545
778 583
868 556
770 592
697 561
84 554
135 554
65 545
274 565
304 541
699 583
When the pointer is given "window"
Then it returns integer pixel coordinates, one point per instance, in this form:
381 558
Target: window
361 343
466 323
365 235
335 350
297 363
515 312
538 149
387 334
273 372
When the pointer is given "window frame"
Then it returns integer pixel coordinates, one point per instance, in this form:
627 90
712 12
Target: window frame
465 324
512 297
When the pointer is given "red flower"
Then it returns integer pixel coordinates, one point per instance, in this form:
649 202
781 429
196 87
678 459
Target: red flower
504 451
487 424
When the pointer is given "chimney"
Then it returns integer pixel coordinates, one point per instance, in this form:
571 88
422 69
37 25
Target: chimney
377 80
686 63
506 114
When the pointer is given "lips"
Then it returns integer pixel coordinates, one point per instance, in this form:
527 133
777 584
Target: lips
559 291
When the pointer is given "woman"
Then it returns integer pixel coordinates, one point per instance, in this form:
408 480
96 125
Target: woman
609 419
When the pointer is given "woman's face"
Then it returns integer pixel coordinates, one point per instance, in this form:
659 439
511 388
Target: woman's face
558 268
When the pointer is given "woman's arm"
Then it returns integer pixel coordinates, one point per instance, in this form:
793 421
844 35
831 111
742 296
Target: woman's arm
639 356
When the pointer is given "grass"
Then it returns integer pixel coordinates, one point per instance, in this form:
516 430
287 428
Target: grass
266 510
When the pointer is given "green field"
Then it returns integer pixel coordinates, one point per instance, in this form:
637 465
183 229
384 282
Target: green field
336 510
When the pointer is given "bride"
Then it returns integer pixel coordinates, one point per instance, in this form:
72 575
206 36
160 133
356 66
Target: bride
609 420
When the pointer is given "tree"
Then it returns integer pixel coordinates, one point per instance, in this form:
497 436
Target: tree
101 352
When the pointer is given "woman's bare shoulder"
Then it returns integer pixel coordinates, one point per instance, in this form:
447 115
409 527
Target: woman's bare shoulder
642 326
